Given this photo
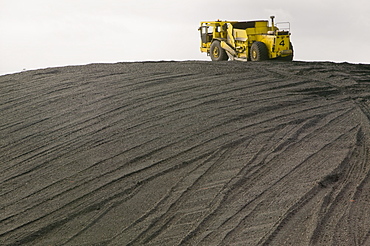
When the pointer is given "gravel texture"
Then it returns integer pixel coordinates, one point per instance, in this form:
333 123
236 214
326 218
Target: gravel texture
186 153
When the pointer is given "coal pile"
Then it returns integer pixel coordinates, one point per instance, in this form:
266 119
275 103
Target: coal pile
186 153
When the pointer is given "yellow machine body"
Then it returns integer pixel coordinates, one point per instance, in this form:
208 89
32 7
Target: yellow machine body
236 39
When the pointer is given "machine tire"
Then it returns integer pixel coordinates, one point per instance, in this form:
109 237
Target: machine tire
258 52
217 53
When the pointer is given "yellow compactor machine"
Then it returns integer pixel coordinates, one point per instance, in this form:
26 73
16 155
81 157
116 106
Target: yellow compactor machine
246 40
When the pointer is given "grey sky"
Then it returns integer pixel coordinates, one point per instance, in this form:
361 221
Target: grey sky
47 33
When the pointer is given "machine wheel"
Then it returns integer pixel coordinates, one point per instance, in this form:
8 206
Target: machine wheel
217 52
258 52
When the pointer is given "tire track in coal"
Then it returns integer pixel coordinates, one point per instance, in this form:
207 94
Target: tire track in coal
69 126
289 232
165 203
186 193
339 200
244 187
225 116
326 182
240 178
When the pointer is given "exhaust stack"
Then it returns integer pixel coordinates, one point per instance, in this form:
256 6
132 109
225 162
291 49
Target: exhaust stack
272 22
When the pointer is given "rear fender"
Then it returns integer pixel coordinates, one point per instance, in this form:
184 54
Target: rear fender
282 45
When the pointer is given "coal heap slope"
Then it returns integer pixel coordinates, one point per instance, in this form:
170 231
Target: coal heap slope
190 153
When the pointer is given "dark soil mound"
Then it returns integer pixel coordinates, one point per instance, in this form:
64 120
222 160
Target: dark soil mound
190 153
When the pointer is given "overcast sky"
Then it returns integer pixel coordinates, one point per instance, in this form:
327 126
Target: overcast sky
49 33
